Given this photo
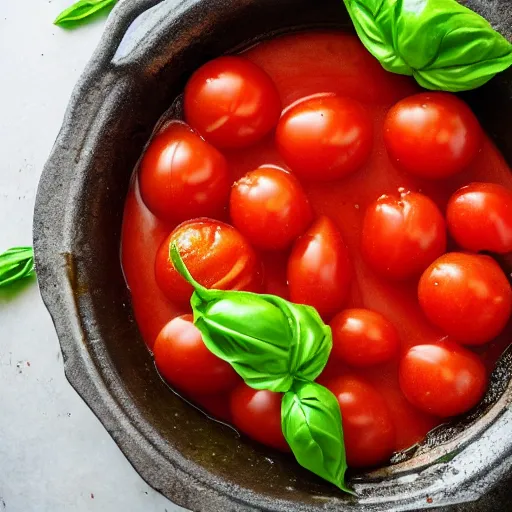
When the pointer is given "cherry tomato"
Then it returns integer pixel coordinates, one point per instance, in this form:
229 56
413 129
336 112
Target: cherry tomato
258 415
467 295
231 102
184 361
402 236
432 134
480 217
325 137
216 255
363 338
181 176
443 379
368 429
270 208
319 269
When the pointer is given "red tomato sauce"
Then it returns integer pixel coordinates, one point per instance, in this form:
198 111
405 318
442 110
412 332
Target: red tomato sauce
302 65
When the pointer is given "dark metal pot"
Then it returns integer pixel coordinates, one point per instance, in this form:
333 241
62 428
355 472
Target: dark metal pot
148 51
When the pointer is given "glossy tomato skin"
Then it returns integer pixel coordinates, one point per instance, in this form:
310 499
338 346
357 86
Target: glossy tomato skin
215 253
479 217
319 269
231 102
184 361
270 207
368 428
257 413
181 176
466 295
442 379
432 135
402 235
363 338
325 137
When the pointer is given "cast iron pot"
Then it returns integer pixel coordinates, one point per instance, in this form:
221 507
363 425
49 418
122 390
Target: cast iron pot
148 51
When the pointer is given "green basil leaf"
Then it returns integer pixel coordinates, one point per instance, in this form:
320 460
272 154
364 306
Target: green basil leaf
443 44
15 264
81 10
311 422
269 341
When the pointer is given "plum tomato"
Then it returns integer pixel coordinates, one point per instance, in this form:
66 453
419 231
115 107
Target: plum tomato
363 338
232 102
270 207
432 135
479 217
184 361
319 268
443 379
402 236
466 295
257 413
325 137
368 428
216 255
181 176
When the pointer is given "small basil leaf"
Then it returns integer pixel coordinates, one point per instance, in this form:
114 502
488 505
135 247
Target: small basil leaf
15 264
443 44
311 422
81 10
266 339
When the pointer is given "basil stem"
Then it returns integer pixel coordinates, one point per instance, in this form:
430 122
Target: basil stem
15 264
81 10
269 341
443 44
311 422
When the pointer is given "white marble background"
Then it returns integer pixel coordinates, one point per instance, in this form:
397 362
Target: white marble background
54 454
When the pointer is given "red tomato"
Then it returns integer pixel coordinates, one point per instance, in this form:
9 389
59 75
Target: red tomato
363 338
270 208
402 236
181 176
231 102
216 255
319 269
480 217
325 137
367 425
258 415
184 361
468 296
432 134
444 379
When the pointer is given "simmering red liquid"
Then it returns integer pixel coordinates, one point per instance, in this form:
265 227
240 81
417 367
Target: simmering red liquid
303 65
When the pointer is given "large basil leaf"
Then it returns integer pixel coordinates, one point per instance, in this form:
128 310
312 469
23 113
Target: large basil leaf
269 341
443 44
311 422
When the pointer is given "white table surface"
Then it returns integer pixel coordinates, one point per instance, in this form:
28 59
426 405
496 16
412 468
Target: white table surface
55 456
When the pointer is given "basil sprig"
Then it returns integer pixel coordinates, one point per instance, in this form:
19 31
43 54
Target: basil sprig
280 346
15 264
443 44
81 10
